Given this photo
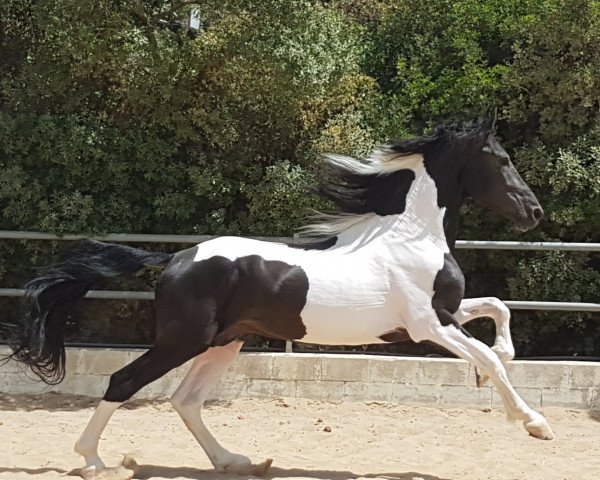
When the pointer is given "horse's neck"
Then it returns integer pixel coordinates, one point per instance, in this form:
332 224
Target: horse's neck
422 218
451 221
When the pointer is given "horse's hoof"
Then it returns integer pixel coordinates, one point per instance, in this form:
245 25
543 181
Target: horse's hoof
261 469
129 463
114 473
242 465
539 428
480 378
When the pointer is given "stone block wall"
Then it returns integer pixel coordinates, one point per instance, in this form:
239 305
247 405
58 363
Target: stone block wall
334 377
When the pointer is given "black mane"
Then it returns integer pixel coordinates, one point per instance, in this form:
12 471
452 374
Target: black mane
384 193
442 136
351 192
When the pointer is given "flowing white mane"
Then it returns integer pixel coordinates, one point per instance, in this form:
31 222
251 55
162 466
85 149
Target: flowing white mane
332 224
381 162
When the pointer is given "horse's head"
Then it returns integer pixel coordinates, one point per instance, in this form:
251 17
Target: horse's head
490 178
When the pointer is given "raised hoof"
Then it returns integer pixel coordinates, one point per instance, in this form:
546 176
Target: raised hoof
539 429
480 378
129 463
261 469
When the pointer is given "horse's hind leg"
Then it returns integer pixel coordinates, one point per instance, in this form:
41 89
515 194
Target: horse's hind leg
123 385
189 398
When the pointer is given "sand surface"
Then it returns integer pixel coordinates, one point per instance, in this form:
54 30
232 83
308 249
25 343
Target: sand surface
372 440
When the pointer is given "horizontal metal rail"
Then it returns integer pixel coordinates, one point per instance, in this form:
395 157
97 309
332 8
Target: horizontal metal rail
515 305
98 294
531 246
125 237
553 306
192 239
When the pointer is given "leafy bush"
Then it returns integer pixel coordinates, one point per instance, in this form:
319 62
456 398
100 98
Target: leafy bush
113 117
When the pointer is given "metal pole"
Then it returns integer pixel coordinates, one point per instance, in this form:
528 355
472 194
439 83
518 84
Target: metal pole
124 237
542 246
515 305
193 239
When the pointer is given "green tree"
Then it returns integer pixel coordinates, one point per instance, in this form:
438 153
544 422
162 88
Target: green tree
114 117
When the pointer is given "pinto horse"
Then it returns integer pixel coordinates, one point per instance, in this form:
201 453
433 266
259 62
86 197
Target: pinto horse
385 272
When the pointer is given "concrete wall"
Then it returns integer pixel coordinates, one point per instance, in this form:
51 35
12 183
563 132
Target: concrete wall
433 381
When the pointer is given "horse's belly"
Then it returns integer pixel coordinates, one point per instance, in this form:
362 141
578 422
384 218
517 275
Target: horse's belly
346 326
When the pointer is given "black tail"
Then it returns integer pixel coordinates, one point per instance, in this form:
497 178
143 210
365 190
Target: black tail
38 338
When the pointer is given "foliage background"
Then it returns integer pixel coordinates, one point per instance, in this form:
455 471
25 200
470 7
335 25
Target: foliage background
115 118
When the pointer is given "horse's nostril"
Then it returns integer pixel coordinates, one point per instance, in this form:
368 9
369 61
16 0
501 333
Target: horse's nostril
538 213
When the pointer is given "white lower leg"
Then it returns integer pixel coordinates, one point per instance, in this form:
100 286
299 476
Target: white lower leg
189 398
222 459
517 409
482 357
494 308
87 445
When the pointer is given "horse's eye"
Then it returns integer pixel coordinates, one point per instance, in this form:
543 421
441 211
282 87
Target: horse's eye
503 161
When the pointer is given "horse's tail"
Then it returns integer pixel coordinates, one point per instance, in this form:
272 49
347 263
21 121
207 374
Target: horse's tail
37 338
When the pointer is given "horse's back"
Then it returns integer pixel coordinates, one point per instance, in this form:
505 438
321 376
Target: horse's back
236 247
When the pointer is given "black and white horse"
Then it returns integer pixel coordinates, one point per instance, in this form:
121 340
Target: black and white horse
384 273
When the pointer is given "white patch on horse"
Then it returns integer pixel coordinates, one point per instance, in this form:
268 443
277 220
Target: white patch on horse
365 286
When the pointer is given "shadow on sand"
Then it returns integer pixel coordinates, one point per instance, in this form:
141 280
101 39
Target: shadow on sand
148 471
32 471
144 472
53 401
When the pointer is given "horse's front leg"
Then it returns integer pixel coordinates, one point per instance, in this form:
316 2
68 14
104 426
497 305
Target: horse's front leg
441 327
471 308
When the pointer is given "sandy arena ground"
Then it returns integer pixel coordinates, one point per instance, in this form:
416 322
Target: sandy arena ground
307 440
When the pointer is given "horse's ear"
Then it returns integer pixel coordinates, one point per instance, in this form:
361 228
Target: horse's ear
488 122
494 118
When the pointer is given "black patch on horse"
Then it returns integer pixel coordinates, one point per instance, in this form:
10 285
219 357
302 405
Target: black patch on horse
321 244
396 336
238 297
444 152
449 290
267 299
384 193
444 136
213 302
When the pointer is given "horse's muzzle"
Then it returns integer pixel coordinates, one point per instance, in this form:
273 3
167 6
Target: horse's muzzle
534 215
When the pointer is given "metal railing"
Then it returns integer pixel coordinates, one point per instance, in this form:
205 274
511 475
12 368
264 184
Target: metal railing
193 239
